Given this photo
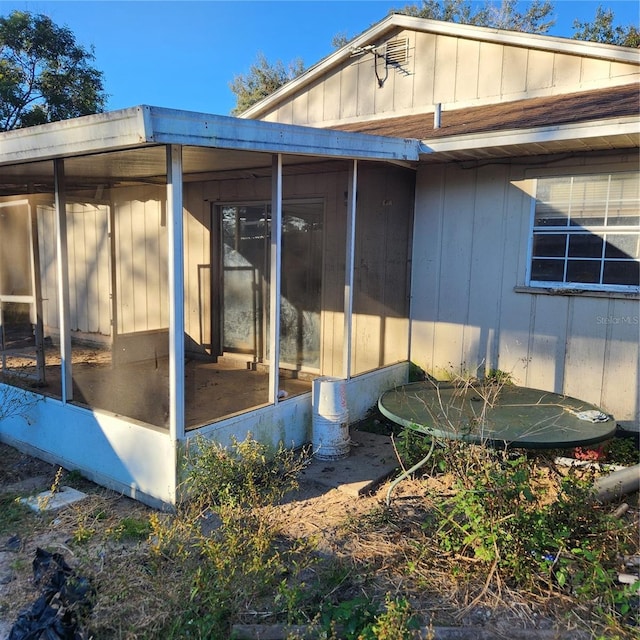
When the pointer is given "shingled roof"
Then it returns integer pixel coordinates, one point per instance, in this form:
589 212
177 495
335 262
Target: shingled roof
573 108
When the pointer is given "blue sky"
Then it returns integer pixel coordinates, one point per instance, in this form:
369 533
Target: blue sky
184 54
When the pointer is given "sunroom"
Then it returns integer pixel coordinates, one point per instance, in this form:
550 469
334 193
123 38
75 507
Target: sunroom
151 258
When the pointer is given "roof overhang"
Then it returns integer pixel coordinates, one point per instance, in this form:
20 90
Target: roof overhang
145 125
618 133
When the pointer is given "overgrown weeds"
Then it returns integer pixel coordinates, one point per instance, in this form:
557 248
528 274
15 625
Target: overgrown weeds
482 530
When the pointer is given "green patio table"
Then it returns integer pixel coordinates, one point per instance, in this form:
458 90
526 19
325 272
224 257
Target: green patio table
494 414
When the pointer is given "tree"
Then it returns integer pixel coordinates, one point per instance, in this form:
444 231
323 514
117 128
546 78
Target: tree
262 80
44 74
603 30
502 15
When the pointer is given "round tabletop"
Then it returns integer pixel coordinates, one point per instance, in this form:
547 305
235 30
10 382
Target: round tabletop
497 414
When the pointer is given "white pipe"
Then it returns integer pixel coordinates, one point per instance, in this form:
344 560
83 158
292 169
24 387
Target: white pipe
437 116
618 483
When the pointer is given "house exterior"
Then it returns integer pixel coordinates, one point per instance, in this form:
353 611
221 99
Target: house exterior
462 198
515 265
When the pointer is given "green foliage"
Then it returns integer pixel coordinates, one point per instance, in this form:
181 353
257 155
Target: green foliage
246 475
223 538
541 543
262 80
131 529
351 617
497 376
622 451
13 515
602 29
537 18
397 622
44 74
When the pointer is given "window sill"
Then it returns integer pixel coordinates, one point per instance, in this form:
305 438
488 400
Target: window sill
586 293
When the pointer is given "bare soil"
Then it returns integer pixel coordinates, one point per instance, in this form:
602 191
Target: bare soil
375 540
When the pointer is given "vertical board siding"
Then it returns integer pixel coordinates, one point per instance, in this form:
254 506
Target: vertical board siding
484 297
513 329
514 70
539 70
141 259
197 264
566 70
547 343
383 226
349 90
490 66
465 311
48 270
467 70
427 262
586 345
622 356
89 267
424 82
442 69
445 63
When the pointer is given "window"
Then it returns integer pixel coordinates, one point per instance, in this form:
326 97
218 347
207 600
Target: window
586 233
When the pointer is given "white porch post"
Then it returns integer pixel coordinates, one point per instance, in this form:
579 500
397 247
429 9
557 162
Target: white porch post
348 273
62 266
176 292
275 277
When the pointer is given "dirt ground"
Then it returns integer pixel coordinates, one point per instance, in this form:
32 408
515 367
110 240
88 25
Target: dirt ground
310 511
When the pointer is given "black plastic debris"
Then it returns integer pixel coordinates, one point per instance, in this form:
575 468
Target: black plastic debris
65 599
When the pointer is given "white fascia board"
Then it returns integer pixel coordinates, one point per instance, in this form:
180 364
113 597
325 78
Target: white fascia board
628 126
88 134
568 46
169 126
155 125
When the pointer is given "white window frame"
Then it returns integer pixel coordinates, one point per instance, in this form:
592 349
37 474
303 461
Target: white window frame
569 230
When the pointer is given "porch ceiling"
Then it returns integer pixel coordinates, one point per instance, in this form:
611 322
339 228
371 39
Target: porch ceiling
148 164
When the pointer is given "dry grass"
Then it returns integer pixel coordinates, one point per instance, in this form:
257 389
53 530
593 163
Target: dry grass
350 547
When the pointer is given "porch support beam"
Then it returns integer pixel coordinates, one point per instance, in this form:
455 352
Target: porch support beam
62 266
352 191
176 292
275 277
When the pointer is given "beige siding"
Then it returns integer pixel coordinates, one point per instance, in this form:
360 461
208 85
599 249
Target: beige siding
470 252
141 259
197 265
514 71
467 70
453 71
539 70
445 65
490 70
424 73
381 287
88 248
